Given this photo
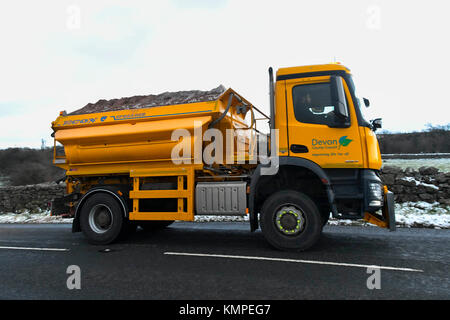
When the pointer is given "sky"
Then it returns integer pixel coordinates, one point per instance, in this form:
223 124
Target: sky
61 55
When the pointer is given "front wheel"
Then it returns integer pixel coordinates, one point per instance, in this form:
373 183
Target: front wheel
290 220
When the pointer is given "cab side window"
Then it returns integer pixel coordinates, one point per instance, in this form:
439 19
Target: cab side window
312 104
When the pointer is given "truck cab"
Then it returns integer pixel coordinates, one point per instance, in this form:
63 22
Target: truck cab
327 149
312 126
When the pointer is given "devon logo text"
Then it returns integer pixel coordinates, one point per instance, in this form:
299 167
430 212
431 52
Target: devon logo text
331 143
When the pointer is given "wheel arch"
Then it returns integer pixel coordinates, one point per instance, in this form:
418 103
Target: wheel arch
287 165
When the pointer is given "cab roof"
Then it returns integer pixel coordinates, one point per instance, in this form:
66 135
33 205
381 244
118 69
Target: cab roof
312 68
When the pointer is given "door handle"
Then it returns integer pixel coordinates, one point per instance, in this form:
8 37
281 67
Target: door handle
299 148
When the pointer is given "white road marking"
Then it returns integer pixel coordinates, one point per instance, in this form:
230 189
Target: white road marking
292 260
35 249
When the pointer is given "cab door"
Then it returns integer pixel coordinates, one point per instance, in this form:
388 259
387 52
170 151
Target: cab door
316 131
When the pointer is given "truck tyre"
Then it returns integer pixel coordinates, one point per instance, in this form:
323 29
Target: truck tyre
101 219
149 226
291 221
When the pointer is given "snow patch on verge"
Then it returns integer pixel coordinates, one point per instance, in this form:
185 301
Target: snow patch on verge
221 218
408 214
27 217
419 183
422 214
412 215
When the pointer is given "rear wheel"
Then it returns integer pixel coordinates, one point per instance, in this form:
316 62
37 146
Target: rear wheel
290 220
101 219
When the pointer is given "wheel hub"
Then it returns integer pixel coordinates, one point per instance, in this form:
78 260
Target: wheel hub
100 218
289 220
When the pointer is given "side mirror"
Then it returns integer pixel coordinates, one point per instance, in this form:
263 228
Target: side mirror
366 102
376 123
338 97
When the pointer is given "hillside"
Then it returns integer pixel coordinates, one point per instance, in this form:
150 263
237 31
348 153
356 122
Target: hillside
22 166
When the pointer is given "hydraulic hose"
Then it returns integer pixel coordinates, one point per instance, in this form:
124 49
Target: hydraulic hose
230 99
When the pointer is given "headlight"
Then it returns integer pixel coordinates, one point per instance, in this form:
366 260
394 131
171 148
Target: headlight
375 191
375 203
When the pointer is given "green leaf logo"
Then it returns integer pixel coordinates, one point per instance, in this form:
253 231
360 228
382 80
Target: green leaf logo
343 141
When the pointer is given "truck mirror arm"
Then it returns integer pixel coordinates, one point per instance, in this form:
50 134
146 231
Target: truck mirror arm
376 124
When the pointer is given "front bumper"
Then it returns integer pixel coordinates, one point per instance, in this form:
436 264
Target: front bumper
387 219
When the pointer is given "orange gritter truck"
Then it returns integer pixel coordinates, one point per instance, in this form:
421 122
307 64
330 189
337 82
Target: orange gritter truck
151 166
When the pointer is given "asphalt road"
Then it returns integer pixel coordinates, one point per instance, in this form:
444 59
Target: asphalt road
229 262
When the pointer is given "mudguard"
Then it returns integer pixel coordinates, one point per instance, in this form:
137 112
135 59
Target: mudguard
292 161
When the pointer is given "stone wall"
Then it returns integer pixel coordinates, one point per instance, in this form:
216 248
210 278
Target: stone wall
425 184
33 198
